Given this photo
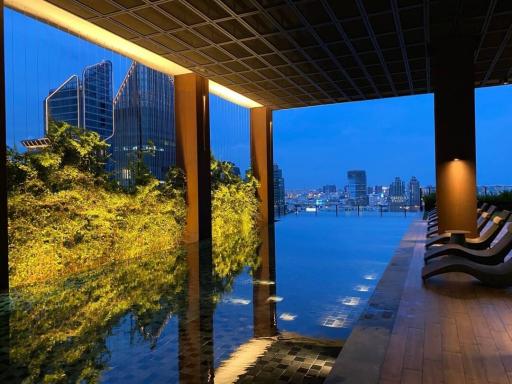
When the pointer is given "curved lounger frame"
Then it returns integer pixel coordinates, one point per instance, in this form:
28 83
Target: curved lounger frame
491 256
493 275
483 241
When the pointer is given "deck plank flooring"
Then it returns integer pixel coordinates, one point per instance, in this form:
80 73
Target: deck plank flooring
450 329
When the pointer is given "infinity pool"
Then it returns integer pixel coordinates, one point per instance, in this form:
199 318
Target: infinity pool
202 317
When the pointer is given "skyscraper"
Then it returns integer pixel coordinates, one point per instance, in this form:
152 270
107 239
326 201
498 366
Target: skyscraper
144 123
414 193
396 196
63 103
85 102
279 194
357 187
97 109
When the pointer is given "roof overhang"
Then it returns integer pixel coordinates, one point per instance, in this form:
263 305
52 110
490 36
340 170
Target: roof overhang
293 53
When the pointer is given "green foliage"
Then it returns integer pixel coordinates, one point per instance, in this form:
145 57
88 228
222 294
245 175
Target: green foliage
84 254
502 199
64 218
234 220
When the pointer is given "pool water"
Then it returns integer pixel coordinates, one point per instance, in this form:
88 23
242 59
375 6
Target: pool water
195 317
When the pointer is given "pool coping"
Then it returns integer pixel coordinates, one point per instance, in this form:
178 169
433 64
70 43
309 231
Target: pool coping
364 352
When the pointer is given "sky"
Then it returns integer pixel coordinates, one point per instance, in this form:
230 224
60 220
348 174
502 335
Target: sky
313 146
389 137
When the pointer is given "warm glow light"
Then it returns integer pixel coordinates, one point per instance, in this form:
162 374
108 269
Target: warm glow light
455 159
75 25
232 96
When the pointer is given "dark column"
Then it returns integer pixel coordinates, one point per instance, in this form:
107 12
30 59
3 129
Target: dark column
4 249
193 152
262 161
196 320
265 324
454 104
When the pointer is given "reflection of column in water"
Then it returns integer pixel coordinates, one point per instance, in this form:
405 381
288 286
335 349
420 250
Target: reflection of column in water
265 286
196 319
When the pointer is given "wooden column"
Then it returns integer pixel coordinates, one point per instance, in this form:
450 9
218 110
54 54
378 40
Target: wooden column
4 241
454 104
262 161
193 152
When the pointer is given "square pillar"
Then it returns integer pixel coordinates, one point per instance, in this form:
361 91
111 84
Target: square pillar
193 152
262 161
454 105
4 239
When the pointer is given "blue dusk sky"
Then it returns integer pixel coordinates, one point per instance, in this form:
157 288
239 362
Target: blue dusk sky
387 137
314 146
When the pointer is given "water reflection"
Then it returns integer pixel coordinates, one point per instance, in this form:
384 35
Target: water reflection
87 328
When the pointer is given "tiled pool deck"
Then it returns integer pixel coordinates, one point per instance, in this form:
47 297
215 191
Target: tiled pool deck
449 330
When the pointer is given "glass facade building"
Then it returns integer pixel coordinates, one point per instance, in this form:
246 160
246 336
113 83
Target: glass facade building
97 110
397 197
144 123
279 194
63 103
414 192
85 102
357 188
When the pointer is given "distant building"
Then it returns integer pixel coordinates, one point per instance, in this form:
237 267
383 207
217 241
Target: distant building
85 102
377 189
357 188
144 123
370 190
396 195
279 195
414 192
329 189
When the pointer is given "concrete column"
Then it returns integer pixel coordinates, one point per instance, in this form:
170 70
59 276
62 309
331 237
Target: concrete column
193 152
262 161
454 104
4 249
264 310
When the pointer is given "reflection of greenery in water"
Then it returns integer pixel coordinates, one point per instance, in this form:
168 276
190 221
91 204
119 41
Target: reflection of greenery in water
58 331
84 252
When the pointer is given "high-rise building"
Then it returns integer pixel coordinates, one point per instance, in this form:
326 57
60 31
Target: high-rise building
64 103
144 123
396 196
85 102
329 189
357 189
97 96
414 193
377 189
279 195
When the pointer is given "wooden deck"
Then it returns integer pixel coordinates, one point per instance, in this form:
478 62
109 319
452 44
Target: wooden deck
449 330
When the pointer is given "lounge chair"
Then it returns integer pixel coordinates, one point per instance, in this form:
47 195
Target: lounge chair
481 222
494 275
433 220
483 241
490 256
